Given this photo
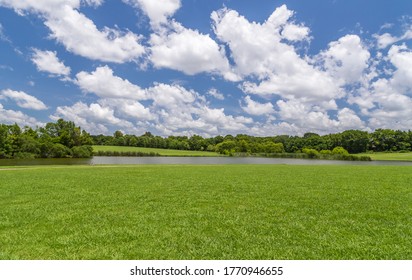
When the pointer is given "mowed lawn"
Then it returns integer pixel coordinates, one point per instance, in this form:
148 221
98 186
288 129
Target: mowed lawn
206 212
162 152
389 156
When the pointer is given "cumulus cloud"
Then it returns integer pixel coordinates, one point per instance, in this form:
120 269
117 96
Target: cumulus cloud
157 11
129 108
105 84
78 33
12 117
176 47
293 32
47 61
93 118
386 101
188 51
385 40
256 108
401 59
81 36
162 108
23 100
258 50
346 59
187 118
317 120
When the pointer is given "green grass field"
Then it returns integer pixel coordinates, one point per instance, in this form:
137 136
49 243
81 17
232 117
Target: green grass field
206 212
162 152
389 156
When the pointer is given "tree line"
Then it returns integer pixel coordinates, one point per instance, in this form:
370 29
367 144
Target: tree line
353 141
55 140
64 139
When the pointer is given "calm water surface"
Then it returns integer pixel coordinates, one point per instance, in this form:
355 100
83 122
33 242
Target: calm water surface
191 160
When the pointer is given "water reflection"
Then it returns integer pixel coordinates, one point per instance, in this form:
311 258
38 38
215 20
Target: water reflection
190 160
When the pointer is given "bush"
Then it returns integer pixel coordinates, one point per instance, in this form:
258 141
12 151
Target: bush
82 151
24 155
325 152
60 151
340 151
312 153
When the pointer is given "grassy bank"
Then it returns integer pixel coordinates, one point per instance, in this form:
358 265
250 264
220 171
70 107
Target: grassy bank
389 156
161 152
206 212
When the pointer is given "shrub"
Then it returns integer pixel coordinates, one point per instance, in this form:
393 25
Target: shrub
24 155
340 151
312 153
60 151
325 152
82 151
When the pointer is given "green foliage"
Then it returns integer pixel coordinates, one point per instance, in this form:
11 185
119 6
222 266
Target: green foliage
227 147
82 151
55 140
312 153
325 152
354 141
24 155
339 151
60 151
40 142
271 147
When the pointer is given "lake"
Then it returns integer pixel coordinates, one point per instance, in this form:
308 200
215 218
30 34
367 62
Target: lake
190 160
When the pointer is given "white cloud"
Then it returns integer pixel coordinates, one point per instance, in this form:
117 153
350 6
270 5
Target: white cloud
129 108
171 96
305 83
386 101
305 117
169 108
293 32
348 119
256 108
12 117
188 51
158 11
387 39
401 58
94 3
216 94
48 61
259 50
36 6
78 33
23 100
94 118
104 84
81 36
346 59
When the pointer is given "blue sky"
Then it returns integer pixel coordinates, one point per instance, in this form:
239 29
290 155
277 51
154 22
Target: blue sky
184 67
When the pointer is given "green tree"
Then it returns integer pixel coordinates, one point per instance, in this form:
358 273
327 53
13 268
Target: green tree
227 147
271 147
354 141
82 151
